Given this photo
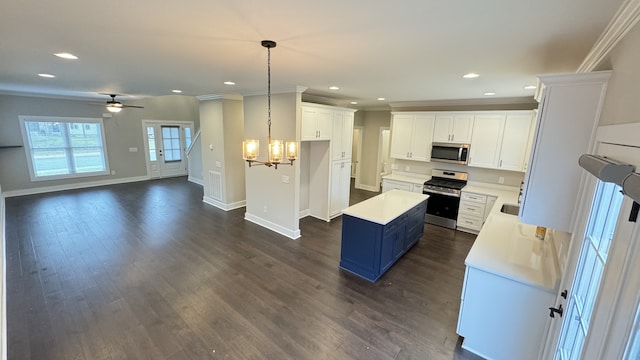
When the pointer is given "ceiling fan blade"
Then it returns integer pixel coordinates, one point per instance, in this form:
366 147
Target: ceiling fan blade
133 106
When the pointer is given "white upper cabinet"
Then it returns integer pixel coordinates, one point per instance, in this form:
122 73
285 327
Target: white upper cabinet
342 137
411 136
569 111
500 141
453 128
316 123
515 142
486 140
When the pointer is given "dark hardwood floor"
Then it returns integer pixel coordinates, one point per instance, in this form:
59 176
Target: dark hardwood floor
147 271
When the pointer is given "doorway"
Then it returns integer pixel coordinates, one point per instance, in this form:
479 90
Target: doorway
384 168
165 145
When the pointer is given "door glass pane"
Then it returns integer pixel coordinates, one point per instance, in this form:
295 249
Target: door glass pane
187 137
171 143
151 138
601 225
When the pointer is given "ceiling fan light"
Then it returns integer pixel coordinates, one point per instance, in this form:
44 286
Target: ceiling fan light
114 108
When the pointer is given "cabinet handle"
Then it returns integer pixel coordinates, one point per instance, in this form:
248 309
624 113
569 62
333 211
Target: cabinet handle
452 136
500 163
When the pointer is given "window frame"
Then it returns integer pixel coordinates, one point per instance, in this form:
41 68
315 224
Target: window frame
69 120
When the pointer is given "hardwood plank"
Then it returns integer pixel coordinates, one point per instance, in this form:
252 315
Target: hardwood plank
147 271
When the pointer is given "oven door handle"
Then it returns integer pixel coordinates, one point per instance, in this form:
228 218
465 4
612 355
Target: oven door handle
428 192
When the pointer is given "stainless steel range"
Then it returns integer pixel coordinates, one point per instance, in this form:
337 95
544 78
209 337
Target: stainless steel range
444 196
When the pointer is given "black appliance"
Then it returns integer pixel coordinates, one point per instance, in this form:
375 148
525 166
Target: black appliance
444 197
450 152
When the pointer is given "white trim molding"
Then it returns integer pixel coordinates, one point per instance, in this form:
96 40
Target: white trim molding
621 23
195 180
223 206
291 234
219 97
48 189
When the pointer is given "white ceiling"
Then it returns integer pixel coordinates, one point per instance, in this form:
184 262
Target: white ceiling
408 50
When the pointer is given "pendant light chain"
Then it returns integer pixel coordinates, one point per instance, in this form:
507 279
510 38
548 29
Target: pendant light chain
269 89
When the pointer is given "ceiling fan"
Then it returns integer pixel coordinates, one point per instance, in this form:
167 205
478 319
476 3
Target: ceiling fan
115 106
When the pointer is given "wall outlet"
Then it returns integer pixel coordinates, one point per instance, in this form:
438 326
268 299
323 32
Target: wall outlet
113 172
394 166
407 168
285 179
501 180
218 164
265 209
133 149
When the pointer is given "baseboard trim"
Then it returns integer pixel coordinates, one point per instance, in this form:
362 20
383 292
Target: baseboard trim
195 180
222 206
81 185
292 234
304 214
368 188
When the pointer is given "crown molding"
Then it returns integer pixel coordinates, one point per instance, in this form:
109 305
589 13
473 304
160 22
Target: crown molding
463 102
219 97
621 23
285 90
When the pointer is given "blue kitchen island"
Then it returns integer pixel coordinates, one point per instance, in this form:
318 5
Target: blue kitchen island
378 231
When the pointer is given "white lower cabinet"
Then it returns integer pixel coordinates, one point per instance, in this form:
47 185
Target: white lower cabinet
388 184
501 318
340 187
473 211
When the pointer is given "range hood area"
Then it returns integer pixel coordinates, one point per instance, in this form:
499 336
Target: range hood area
609 170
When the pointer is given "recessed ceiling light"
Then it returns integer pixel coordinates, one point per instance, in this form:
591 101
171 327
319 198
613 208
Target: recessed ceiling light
530 87
470 76
66 55
489 93
229 83
381 99
177 91
354 103
334 88
46 75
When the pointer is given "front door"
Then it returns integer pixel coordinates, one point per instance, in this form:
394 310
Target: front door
165 145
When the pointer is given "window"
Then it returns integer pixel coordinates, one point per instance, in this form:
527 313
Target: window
187 137
64 147
171 143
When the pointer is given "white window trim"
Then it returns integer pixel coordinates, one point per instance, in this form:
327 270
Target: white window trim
27 146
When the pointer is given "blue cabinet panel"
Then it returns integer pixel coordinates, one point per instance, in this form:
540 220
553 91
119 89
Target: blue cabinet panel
370 249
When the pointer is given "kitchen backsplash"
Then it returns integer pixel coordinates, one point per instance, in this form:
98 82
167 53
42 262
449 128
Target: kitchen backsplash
491 176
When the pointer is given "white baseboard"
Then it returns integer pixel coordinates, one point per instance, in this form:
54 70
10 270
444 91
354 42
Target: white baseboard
223 206
81 185
292 234
195 180
368 188
304 214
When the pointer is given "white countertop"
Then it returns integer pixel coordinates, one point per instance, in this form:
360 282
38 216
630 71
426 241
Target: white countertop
385 207
409 179
507 247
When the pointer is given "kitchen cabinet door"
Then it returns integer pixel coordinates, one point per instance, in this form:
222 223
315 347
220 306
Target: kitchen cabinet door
316 123
462 128
401 133
342 137
340 187
486 141
453 128
514 142
421 138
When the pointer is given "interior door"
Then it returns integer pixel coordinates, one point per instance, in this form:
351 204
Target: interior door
166 144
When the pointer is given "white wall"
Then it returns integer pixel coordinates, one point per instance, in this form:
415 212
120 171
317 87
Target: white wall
3 286
195 159
271 202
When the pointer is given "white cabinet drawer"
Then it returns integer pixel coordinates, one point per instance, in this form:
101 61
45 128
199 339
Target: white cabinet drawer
471 208
473 197
469 222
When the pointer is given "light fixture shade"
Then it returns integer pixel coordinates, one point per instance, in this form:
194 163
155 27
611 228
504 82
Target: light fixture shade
291 150
276 151
114 108
250 149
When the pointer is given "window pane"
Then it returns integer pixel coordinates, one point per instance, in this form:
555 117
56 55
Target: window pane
187 137
65 147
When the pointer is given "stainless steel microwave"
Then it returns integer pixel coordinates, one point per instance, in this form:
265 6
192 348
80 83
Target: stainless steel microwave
450 152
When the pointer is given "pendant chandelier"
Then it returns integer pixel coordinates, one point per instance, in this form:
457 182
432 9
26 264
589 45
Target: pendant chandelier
279 152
